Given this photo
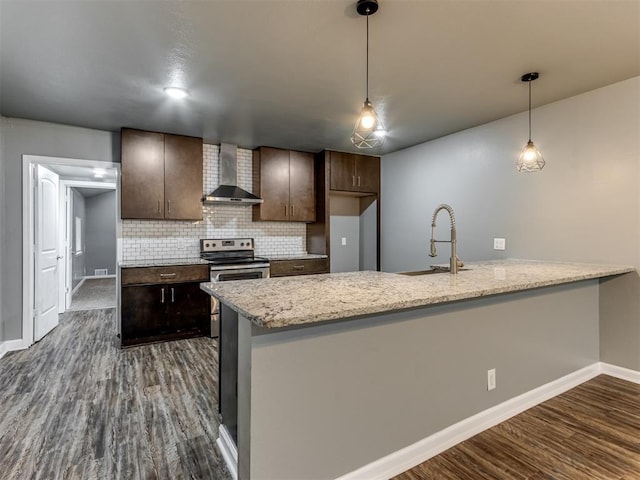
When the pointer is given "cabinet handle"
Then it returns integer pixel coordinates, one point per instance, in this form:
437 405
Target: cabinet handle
285 210
169 205
158 206
162 295
298 267
292 212
173 295
358 180
167 275
353 181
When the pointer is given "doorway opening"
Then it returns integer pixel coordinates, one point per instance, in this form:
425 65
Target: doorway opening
88 236
70 231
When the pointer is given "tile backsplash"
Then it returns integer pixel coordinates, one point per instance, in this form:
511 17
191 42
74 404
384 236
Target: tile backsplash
154 239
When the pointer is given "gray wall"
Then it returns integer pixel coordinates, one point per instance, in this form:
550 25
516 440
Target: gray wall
372 386
101 232
78 252
25 137
345 258
353 218
582 207
368 234
3 333
344 223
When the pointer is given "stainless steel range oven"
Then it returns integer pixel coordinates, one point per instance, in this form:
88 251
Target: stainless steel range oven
231 259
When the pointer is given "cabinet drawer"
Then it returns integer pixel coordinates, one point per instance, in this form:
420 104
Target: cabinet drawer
282 268
179 273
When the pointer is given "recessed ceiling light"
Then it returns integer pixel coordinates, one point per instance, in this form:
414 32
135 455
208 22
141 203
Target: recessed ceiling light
176 92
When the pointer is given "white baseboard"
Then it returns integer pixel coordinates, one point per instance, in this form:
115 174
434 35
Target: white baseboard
408 457
620 372
229 451
10 346
77 287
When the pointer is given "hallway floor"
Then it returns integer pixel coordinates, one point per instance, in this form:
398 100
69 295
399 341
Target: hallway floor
94 293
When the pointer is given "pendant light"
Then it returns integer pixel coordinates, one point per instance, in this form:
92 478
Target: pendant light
368 131
530 159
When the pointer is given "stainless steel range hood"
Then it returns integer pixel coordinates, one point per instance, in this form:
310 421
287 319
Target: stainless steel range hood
228 192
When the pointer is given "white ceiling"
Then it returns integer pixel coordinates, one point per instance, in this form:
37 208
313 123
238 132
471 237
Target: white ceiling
83 174
92 192
290 73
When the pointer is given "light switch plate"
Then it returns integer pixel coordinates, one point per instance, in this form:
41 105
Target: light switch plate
344 240
499 243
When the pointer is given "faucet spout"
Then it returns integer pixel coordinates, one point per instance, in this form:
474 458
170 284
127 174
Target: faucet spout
453 263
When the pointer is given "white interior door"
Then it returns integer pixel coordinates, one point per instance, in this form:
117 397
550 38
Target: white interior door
46 257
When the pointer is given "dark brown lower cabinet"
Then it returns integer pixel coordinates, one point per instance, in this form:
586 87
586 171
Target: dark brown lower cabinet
188 306
284 268
143 313
158 312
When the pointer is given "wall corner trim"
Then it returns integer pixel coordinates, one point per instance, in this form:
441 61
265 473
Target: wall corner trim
412 455
620 372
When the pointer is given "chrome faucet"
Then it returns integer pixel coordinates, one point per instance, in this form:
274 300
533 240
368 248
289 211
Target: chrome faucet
454 262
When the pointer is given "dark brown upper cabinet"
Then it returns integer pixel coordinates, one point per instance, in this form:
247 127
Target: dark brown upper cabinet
284 179
350 172
161 176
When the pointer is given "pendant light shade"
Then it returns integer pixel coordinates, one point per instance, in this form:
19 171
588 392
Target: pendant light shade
530 160
368 131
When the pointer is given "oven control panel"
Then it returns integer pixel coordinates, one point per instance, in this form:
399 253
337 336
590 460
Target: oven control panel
225 244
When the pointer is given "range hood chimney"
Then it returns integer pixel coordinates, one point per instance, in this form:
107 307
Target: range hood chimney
228 191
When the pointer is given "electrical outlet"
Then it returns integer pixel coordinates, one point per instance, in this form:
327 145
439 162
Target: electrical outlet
499 243
344 240
491 379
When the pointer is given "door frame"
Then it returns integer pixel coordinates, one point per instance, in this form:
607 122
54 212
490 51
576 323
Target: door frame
29 163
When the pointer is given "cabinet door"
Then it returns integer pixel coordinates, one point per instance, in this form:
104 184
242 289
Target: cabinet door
143 312
189 308
142 182
182 177
367 174
271 165
342 175
302 195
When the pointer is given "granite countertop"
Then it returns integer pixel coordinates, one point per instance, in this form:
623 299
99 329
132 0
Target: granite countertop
284 301
162 262
301 256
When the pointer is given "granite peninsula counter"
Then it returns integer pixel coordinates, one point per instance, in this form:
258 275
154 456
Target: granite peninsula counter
304 394
281 302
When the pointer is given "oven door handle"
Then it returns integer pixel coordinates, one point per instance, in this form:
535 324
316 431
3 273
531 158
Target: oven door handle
249 268
215 275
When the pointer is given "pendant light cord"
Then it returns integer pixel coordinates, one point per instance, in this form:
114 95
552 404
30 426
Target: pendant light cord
529 110
368 56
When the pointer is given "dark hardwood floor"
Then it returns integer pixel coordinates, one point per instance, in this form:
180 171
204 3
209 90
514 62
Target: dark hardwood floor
589 432
75 406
